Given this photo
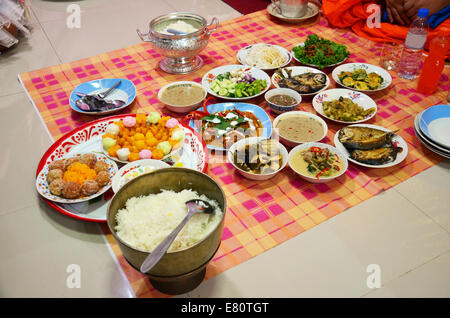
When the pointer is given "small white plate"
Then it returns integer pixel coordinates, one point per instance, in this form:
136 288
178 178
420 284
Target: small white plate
243 53
428 142
135 169
357 97
396 140
297 70
256 73
434 122
369 68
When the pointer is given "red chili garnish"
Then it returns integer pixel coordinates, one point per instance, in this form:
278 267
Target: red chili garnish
315 149
317 175
205 106
197 114
239 112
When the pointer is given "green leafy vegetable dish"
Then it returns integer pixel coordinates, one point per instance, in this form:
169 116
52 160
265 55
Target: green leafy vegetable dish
320 52
237 84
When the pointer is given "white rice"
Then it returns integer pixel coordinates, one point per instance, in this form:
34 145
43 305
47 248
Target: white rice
181 26
147 220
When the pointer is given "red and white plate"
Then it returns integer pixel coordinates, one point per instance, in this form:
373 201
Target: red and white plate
87 138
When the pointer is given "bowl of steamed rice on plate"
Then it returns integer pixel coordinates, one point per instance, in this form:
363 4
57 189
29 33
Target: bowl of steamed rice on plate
147 209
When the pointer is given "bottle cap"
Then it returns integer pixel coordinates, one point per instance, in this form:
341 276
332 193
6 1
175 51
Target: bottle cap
423 12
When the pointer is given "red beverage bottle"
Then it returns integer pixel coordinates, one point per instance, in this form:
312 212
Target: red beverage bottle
433 65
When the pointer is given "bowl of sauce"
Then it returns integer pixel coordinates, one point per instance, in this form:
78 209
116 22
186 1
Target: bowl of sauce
182 97
298 127
281 100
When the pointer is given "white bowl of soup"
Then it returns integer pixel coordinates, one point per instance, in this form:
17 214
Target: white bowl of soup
298 127
258 158
317 162
182 97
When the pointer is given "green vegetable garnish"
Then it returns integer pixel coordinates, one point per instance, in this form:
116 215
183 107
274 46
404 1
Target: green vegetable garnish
320 52
224 86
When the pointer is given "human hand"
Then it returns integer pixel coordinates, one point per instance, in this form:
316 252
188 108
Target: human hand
396 12
411 7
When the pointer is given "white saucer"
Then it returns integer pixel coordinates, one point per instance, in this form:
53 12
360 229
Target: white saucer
312 11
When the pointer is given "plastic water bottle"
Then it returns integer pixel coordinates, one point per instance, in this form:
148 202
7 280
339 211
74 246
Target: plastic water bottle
414 43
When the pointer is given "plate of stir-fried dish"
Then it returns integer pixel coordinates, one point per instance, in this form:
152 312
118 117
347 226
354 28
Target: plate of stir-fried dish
362 77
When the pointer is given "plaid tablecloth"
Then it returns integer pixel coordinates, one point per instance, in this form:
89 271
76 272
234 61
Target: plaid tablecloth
264 214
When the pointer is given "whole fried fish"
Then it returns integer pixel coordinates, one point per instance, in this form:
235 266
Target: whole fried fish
364 138
303 83
376 156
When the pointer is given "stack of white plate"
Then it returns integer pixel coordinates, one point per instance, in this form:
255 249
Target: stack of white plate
432 127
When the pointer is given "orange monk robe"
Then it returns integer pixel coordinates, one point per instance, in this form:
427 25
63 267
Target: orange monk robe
354 14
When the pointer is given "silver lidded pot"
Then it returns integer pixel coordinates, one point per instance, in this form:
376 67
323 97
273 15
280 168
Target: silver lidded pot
180 51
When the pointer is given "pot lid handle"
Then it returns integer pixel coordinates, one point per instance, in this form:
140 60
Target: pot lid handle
145 37
213 21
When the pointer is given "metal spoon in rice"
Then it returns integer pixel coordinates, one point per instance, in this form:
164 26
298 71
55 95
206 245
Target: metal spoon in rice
194 206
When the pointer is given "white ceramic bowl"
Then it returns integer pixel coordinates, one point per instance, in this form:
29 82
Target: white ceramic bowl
357 97
282 91
135 169
350 67
320 145
255 176
291 143
181 108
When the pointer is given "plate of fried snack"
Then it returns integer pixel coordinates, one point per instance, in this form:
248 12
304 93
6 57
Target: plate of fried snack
77 178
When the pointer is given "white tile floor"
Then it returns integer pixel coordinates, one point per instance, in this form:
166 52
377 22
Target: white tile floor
404 230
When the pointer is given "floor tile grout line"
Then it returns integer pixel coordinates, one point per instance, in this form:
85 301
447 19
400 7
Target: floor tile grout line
421 210
46 36
8 212
116 261
405 273
11 94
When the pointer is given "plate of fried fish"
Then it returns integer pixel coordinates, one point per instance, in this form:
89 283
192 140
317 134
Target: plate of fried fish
371 146
305 80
